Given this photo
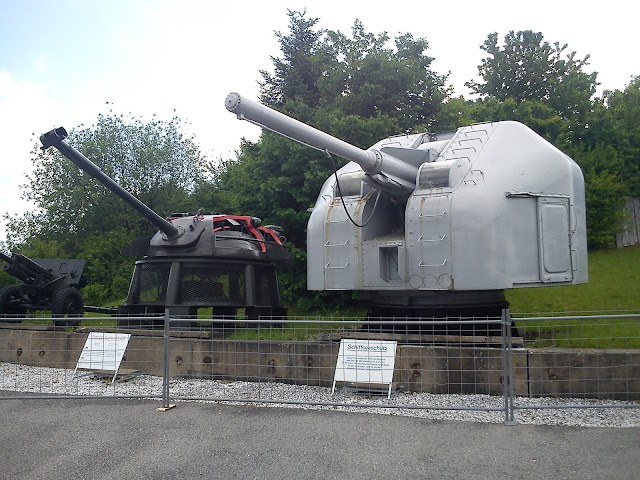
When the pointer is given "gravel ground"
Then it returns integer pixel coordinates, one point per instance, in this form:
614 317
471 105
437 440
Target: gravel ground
55 381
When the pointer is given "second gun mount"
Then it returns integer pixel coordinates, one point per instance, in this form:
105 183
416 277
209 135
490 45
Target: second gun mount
440 224
199 261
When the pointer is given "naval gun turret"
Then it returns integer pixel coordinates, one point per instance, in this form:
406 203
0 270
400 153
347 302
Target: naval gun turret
196 261
440 224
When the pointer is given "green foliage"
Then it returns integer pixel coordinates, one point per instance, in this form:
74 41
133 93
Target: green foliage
153 161
604 190
96 294
6 279
623 132
107 271
297 71
368 79
358 75
527 67
605 201
37 247
534 113
454 112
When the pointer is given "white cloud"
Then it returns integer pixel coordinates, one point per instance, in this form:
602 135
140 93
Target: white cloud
40 64
25 111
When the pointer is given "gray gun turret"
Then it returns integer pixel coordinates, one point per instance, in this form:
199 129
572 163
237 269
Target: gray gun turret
441 223
196 261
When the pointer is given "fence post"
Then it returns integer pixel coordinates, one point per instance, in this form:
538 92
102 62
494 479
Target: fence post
507 368
165 364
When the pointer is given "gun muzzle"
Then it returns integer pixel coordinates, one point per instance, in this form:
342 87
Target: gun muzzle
53 137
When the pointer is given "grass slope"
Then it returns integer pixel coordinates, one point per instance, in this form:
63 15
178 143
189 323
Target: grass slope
614 284
613 288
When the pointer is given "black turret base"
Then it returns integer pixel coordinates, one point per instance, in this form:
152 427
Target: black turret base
438 313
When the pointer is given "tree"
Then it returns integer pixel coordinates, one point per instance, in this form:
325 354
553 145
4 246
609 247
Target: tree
454 112
623 132
76 217
528 68
296 73
358 75
605 202
108 271
154 161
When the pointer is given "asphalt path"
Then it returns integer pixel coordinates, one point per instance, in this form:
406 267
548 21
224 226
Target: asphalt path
130 439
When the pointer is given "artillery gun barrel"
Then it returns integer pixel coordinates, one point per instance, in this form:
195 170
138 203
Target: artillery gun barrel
56 138
13 269
29 265
25 269
373 162
18 272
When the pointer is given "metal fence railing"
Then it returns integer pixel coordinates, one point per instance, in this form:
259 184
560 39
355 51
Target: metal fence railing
499 369
581 359
38 359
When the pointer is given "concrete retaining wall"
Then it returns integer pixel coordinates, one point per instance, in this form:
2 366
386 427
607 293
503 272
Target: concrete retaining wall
434 369
604 374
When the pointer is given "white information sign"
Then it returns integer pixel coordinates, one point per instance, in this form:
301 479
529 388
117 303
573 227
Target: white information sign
103 351
365 361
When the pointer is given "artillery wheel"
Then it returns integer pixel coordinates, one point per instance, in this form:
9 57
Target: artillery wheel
67 305
10 303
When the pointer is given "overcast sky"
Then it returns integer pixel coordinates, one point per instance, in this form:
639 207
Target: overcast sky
61 61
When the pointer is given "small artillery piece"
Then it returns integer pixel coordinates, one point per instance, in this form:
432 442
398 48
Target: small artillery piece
195 261
441 224
47 284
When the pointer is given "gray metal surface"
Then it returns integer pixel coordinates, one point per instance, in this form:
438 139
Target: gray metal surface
116 439
488 207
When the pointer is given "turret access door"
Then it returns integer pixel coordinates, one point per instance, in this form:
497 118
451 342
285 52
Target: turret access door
554 239
543 251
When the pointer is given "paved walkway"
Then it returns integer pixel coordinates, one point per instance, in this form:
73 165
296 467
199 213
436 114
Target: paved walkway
129 439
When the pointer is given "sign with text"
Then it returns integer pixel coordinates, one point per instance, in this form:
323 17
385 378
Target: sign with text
103 351
365 361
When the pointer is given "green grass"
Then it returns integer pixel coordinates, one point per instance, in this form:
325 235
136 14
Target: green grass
107 321
613 288
614 284
597 333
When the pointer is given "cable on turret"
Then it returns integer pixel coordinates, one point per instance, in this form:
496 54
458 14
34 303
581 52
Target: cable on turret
346 210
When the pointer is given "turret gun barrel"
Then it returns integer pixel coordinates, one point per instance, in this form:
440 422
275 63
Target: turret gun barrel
383 168
55 138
